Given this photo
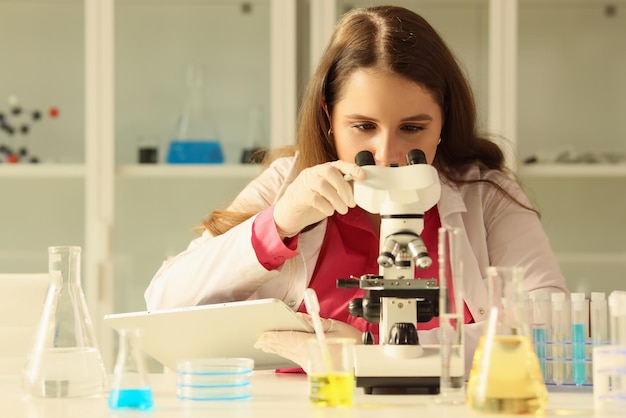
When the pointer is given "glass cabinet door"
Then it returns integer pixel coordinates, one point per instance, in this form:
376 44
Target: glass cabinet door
159 204
157 43
41 131
572 90
571 101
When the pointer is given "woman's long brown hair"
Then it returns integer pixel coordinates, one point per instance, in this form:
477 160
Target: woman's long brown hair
401 42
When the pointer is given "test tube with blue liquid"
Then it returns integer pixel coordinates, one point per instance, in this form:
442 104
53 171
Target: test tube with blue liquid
541 329
130 388
579 339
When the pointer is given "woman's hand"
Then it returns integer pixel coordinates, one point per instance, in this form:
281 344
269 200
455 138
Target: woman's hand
292 344
316 194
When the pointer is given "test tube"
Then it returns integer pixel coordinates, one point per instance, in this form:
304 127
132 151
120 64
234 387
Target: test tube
609 362
598 314
598 326
579 338
617 311
540 305
560 326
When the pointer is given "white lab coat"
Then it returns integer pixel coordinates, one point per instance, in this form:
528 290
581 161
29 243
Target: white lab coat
496 232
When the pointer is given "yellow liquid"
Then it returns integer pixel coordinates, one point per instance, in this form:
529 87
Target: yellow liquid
513 383
331 390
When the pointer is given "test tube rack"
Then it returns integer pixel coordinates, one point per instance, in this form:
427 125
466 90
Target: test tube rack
561 368
566 332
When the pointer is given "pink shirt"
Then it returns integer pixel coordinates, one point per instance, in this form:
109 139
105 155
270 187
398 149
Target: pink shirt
350 248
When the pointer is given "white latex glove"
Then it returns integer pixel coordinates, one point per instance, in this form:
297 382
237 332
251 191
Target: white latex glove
314 195
292 344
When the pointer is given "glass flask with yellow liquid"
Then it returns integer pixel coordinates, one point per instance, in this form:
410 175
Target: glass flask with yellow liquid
506 377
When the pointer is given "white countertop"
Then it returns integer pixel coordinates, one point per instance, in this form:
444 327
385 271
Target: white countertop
273 395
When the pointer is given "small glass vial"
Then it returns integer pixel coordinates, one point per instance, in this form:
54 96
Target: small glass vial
130 388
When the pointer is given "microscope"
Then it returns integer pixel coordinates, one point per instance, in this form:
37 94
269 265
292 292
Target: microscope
394 299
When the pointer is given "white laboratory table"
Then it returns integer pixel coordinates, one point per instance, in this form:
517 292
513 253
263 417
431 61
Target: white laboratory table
273 395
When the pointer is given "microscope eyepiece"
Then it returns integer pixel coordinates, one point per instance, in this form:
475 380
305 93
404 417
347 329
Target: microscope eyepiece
415 156
364 158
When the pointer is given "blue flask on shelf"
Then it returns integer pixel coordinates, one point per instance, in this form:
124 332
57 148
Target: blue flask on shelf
196 140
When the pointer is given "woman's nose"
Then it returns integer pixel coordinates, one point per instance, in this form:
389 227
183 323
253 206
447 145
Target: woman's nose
387 153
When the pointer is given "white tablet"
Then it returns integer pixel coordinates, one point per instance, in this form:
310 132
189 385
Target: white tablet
217 330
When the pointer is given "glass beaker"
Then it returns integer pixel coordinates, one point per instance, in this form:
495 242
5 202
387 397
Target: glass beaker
64 360
451 318
130 388
506 377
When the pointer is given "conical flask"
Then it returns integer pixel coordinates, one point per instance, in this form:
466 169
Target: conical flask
64 360
506 377
196 139
130 388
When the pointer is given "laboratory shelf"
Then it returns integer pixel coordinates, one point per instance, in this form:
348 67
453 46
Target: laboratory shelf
229 171
51 171
572 170
41 171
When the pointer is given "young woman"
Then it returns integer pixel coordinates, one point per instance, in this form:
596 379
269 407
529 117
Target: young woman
387 83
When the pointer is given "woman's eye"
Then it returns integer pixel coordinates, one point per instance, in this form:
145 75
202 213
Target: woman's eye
364 126
412 128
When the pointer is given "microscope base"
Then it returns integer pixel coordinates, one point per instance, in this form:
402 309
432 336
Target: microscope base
378 373
395 385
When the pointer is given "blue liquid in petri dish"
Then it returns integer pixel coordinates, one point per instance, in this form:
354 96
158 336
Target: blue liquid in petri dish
140 399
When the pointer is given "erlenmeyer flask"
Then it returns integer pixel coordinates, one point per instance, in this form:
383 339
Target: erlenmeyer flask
506 377
197 139
65 360
130 388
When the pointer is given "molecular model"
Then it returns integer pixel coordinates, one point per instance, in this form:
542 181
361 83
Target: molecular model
16 123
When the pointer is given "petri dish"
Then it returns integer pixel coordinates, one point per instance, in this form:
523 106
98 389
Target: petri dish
205 379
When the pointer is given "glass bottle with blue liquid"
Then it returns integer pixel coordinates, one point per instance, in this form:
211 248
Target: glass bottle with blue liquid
196 139
130 388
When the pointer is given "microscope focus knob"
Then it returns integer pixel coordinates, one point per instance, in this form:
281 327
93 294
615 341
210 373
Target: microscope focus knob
403 342
371 310
403 333
366 308
367 338
355 307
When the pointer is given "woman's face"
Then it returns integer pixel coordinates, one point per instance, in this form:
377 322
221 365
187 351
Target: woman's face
387 115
